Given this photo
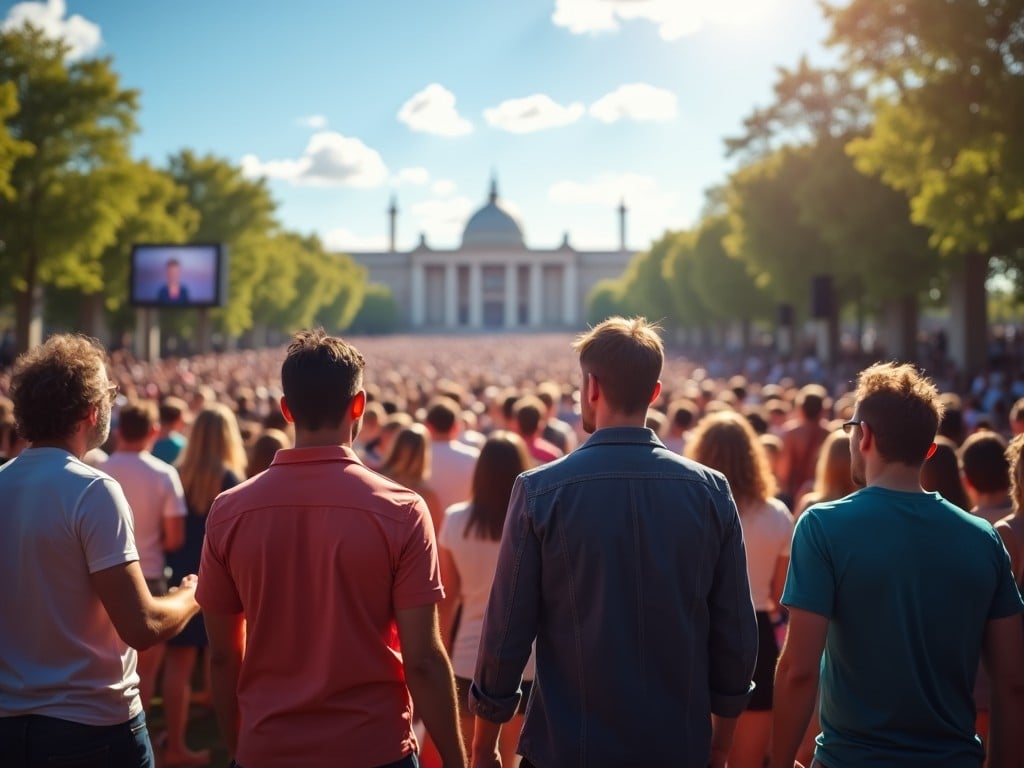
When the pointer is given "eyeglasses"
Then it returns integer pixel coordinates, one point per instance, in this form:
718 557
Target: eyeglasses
849 425
112 391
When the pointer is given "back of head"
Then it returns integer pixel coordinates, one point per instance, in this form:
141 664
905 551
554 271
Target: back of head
320 376
136 420
626 357
409 458
172 411
952 424
502 458
983 460
901 408
941 473
442 416
528 412
725 441
682 413
811 401
265 448
832 473
53 385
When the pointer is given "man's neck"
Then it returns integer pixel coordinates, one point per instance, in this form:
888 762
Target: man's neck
995 500
324 438
77 448
896 477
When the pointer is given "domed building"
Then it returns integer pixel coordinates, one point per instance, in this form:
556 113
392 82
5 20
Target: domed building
493 281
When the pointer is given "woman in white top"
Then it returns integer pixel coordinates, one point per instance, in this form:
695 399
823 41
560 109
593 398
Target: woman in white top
468 546
725 441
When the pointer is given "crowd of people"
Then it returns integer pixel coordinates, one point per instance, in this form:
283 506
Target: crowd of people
529 550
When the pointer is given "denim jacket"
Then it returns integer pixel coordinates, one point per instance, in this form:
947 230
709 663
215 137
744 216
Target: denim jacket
626 562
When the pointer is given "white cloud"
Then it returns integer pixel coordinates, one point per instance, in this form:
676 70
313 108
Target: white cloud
675 19
442 220
532 113
345 240
316 122
635 101
417 176
432 110
330 159
443 188
81 35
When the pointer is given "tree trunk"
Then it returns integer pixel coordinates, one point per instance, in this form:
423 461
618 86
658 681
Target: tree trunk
93 318
28 317
968 320
901 327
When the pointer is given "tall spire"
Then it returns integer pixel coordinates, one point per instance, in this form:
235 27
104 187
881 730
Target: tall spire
392 222
494 186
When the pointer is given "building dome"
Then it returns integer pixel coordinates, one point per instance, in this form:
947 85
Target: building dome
492 225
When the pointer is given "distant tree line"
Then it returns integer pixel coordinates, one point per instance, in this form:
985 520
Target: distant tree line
73 201
898 175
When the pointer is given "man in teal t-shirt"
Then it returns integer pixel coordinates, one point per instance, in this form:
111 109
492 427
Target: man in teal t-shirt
894 595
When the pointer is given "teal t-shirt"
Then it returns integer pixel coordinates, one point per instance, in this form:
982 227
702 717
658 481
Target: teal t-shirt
908 582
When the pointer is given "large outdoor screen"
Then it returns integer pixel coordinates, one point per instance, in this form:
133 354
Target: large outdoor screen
178 275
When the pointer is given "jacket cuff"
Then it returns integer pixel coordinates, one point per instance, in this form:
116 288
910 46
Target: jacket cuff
730 705
494 709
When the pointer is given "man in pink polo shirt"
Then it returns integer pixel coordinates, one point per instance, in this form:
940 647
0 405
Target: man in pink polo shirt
320 584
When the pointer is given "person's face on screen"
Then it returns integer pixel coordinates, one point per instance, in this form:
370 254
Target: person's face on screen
173 274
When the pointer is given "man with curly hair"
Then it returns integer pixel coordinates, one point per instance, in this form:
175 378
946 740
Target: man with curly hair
903 593
76 604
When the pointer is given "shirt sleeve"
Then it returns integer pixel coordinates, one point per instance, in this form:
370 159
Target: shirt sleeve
510 621
418 575
1007 600
217 591
174 496
810 582
732 630
105 526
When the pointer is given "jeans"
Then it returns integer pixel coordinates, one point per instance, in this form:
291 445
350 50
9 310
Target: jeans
34 741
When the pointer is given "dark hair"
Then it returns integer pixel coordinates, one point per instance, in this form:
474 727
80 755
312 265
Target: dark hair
983 459
136 419
941 472
528 411
626 357
901 408
502 458
682 413
811 400
54 384
171 410
952 424
441 415
320 376
264 449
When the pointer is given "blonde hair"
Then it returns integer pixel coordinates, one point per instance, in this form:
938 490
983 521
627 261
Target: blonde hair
214 447
832 478
1013 455
725 441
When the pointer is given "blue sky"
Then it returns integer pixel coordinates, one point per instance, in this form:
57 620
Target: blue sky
573 103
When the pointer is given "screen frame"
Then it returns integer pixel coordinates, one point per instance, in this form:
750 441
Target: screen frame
219 276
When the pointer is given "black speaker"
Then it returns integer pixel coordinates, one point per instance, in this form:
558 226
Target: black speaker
786 315
822 297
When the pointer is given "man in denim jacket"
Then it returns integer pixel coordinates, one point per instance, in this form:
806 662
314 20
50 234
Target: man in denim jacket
625 562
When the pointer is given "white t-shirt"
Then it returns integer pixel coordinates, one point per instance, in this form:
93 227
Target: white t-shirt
767 534
60 656
153 490
475 560
451 470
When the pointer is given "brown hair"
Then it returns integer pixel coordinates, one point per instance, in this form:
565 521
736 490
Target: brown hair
528 412
409 459
983 460
54 384
136 419
320 376
725 441
502 458
264 448
941 472
832 478
626 357
901 408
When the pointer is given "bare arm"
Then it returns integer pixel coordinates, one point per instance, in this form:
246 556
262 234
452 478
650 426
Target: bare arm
431 682
1009 530
173 533
140 619
1003 653
485 744
796 683
779 579
227 647
722 730
452 589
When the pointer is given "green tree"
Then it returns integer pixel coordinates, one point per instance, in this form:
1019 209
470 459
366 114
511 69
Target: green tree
644 290
378 314
239 213
605 300
71 192
10 148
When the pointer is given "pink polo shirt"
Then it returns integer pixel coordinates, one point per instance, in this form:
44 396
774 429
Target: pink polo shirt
318 552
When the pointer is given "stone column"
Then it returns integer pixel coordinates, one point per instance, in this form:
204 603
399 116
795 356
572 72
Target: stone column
570 304
476 298
417 299
451 299
511 296
535 295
